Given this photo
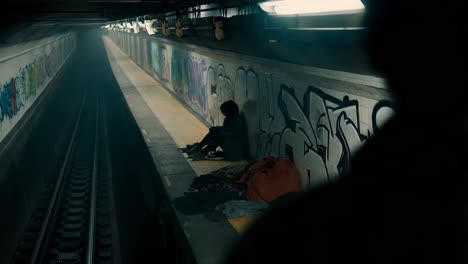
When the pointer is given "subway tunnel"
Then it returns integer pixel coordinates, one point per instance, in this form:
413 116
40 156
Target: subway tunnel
100 102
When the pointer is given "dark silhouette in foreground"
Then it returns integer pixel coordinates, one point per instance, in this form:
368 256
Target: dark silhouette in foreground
394 206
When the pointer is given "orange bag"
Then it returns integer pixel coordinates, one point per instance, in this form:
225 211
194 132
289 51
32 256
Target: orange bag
271 177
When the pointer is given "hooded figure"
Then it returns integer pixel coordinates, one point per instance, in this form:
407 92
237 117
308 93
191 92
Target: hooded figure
230 137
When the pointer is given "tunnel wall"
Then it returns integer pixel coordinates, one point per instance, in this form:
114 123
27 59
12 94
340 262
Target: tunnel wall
25 71
317 117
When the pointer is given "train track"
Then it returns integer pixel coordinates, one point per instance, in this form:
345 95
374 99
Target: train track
74 222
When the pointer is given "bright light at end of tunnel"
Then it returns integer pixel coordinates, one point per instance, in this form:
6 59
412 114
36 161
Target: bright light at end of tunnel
297 7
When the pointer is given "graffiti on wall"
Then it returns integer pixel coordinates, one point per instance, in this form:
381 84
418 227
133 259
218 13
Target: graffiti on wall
320 134
176 71
383 110
146 62
30 80
219 88
319 130
160 61
193 80
186 74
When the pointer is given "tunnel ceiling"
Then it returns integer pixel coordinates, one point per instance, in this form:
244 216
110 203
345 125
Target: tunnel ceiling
90 11
19 14
57 15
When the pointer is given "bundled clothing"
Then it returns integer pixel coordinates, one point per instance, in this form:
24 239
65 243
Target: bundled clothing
213 183
207 191
239 208
202 202
271 177
238 191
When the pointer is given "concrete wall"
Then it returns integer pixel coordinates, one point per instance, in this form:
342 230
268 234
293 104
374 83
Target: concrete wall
317 117
25 71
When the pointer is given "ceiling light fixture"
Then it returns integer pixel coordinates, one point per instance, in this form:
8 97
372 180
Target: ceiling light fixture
312 7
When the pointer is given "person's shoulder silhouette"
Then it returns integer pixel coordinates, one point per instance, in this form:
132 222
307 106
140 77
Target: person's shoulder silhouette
392 207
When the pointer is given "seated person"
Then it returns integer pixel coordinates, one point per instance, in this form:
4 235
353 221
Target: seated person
229 136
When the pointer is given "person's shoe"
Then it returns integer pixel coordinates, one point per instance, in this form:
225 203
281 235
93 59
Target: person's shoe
191 146
192 151
196 156
215 155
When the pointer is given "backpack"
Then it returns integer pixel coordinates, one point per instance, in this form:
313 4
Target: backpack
271 177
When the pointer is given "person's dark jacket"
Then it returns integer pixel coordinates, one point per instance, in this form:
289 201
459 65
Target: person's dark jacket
233 142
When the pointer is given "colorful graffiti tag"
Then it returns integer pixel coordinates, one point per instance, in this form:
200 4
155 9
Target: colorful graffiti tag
19 92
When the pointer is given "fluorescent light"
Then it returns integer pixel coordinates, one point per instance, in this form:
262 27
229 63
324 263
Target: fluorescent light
296 7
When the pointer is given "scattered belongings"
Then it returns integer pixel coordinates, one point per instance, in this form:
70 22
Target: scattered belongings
242 192
213 183
239 208
198 155
233 171
241 224
271 177
202 202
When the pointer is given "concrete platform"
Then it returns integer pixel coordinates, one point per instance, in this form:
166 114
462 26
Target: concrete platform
167 125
